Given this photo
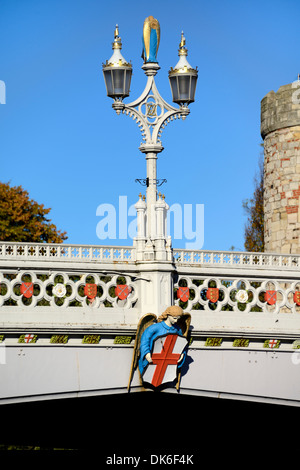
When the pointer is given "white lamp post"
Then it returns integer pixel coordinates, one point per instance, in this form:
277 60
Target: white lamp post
151 112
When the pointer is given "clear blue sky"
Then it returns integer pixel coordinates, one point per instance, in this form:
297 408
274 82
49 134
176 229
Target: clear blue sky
61 140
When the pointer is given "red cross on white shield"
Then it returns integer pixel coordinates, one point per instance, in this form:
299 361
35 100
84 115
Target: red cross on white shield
167 350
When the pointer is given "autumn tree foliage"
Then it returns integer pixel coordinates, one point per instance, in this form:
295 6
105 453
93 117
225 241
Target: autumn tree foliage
254 208
24 220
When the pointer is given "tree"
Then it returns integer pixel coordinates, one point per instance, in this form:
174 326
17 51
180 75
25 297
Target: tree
24 220
254 208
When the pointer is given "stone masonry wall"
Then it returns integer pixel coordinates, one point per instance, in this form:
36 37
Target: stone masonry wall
280 129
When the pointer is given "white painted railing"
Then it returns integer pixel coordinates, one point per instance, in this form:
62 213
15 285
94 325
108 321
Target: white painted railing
237 294
109 287
64 252
109 254
33 288
236 259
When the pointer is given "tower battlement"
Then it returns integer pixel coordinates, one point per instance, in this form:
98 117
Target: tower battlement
280 129
281 109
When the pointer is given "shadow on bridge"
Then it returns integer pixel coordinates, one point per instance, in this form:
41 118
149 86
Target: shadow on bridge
148 422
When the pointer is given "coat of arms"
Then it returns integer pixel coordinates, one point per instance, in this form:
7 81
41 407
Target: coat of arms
122 291
90 290
297 297
212 294
183 293
160 347
27 289
271 297
166 354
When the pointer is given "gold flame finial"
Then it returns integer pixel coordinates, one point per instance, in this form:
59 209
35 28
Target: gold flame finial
117 44
182 48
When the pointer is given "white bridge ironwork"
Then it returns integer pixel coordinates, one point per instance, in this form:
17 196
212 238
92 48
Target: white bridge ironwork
242 335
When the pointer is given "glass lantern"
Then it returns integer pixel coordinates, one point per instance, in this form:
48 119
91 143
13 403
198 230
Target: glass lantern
117 72
183 78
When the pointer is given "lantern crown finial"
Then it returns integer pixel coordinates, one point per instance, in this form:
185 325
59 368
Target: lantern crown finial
117 44
117 60
182 49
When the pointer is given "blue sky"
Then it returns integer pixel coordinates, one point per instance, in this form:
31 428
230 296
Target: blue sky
61 140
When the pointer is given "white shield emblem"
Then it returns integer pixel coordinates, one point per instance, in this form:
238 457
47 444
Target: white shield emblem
166 353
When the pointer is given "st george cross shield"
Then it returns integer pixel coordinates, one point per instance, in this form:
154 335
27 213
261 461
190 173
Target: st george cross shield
271 297
166 353
212 294
273 343
122 291
183 293
28 338
27 289
90 290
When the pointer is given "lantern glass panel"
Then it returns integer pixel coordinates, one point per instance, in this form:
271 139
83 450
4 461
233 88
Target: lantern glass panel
193 88
174 88
118 81
127 82
108 82
184 87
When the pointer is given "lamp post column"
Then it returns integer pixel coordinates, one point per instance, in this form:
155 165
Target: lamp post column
151 159
151 151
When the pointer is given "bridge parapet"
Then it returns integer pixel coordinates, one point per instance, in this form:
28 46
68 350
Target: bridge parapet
67 310
71 253
237 260
98 288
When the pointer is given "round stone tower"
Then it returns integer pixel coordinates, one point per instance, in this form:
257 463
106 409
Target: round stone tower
280 129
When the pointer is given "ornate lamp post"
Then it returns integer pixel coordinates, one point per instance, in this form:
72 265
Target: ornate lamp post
152 113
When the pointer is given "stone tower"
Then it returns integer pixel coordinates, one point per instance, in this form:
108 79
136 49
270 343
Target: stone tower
280 129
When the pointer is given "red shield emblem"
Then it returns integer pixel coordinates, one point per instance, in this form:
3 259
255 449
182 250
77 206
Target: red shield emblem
297 297
212 294
183 293
122 291
28 338
27 289
271 297
90 290
165 356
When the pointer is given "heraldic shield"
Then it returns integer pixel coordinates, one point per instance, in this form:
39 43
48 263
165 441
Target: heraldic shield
166 354
160 347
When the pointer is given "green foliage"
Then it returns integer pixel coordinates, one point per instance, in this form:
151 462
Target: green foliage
23 219
254 208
